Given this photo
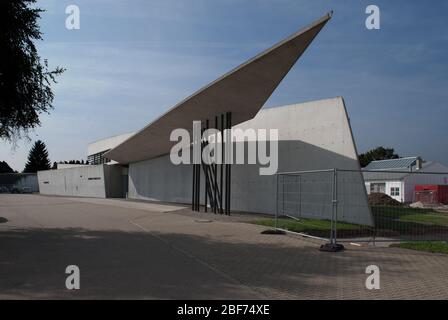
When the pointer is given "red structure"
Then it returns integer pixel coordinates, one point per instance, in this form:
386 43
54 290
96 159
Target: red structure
431 193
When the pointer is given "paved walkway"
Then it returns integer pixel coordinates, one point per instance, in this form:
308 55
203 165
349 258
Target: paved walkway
150 250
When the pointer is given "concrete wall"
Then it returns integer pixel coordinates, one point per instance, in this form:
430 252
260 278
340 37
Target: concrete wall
100 181
80 182
312 136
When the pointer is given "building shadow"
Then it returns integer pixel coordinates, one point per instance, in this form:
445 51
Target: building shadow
143 265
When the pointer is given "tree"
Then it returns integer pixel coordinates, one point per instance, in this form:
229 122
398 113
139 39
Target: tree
72 162
37 158
379 153
55 166
25 80
5 168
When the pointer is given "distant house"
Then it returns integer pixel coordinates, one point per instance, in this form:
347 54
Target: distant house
398 177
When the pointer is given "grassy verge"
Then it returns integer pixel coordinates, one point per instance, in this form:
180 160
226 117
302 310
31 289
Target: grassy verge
389 222
430 246
403 220
437 219
311 226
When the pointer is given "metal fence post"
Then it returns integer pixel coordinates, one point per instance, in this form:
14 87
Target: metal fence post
276 211
300 197
333 211
335 206
333 246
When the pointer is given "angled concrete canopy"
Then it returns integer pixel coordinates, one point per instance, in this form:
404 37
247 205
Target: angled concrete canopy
243 91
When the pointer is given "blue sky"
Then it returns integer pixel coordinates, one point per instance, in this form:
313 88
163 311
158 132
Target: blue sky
133 59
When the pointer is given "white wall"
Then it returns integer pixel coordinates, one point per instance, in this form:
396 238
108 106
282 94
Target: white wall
85 181
100 181
313 135
388 186
395 184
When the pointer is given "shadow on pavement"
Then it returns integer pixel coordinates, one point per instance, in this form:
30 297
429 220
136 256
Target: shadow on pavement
141 265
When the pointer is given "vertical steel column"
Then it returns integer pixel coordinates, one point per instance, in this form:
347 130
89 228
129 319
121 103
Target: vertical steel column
226 165
228 171
222 161
199 186
214 165
196 188
208 173
198 196
206 176
230 166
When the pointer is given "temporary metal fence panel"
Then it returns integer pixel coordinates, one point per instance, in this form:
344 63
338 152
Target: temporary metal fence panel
358 206
307 198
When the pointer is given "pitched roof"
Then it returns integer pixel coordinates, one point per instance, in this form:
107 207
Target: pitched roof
392 164
395 174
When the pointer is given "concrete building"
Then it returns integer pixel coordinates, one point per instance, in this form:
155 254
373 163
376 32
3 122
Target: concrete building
398 177
313 135
101 178
97 149
99 181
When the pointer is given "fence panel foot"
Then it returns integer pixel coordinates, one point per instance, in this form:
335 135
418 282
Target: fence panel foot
332 247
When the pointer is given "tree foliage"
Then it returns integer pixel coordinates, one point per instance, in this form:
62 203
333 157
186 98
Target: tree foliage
25 80
73 162
37 158
5 168
379 153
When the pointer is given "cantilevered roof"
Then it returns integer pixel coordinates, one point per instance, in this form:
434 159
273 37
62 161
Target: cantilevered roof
243 91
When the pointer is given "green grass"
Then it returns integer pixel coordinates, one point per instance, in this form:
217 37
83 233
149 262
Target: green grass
438 219
398 212
389 221
312 226
430 246
402 220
